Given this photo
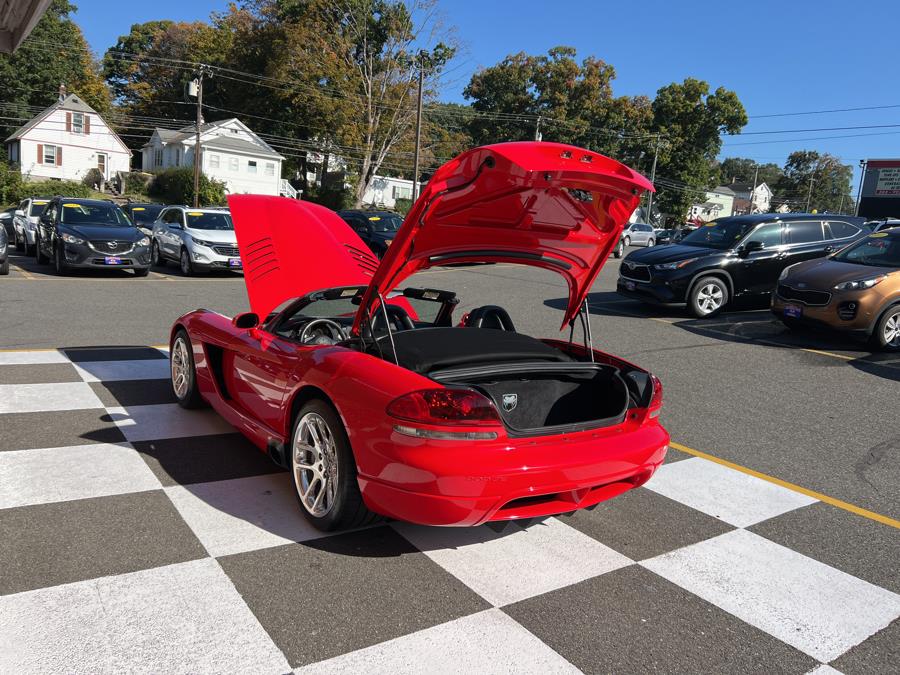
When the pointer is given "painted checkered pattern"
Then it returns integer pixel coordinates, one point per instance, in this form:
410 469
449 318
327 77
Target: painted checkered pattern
137 536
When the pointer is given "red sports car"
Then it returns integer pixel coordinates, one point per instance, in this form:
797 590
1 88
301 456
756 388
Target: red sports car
372 396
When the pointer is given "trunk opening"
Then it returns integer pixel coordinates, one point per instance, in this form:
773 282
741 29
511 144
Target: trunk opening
534 398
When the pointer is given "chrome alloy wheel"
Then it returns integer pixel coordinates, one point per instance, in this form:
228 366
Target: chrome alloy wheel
891 331
314 463
181 368
710 298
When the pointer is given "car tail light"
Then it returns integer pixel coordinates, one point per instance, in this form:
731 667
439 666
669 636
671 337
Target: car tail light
656 400
443 407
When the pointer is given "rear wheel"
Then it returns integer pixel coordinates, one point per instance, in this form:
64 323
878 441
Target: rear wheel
628 241
39 254
651 242
619 250
708 297
323 470
887 332
184 374
155 257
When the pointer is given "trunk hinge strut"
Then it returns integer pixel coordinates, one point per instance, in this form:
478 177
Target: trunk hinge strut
584 316
387 325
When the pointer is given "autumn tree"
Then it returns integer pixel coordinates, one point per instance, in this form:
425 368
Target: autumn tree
818 178
743 170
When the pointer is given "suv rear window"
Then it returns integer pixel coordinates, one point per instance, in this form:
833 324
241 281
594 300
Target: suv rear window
841 230
805 232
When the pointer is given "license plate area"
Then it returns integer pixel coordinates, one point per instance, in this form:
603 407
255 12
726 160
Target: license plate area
793 311
234 262
112 260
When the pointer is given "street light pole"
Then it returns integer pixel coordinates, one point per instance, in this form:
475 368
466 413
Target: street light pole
863 164
415 190
652 180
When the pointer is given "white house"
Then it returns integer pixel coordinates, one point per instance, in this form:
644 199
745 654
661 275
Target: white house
384 191
759 203
719 203
65 141
230 152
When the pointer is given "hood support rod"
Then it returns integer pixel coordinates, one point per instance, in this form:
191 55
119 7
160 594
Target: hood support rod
585 315
387 325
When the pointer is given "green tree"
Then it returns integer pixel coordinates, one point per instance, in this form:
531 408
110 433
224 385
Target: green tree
55 53
691 121
818 178
176 186
743 170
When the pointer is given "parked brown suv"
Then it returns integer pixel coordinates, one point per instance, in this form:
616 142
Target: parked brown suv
856 290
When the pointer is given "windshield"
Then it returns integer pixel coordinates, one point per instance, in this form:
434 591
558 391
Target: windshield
99 215
37 208
386 222
721 234
199 220
876 250
145 214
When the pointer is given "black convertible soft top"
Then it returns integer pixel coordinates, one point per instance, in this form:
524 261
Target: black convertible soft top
427 349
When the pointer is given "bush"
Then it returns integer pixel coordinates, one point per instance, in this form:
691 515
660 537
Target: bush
93 177
402 206
176 186
49 188
137 183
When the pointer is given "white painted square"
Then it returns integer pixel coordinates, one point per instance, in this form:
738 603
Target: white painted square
111 371
166 420
78 472
184 618
484 643
805 603
516 563
724 493
24 398
243 514
36 357
823 669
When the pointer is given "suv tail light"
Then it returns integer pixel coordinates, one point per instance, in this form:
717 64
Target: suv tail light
656 401
445 407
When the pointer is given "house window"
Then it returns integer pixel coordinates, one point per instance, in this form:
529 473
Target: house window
401 192
233 164
49 155
270 169
158 157
77 123
213 161
251 166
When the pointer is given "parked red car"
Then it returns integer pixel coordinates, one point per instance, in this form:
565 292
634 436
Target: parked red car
378 403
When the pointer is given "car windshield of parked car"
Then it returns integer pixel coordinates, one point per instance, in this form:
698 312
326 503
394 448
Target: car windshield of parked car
100 215
198 220
37 208
720 234
875 251
145 215
386 222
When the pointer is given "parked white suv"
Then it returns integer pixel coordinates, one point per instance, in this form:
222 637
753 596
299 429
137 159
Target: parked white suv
197 239
25 222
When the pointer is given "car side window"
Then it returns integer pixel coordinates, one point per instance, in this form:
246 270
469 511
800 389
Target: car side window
804 232
51 213
769 235
842 230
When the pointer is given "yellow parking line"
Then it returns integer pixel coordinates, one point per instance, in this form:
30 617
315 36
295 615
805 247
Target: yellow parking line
846 506
831 354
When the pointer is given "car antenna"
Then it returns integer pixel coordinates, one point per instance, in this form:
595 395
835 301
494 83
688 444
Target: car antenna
387 324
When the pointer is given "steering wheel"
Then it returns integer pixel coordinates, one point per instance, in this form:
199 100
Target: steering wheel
333 332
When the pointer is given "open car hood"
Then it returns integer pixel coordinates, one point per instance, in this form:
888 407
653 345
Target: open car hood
549 205
290 248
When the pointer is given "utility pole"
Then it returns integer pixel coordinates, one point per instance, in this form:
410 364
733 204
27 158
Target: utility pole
753 191
197 158
809 194
862 177
537 130
652 180
415 190
841 207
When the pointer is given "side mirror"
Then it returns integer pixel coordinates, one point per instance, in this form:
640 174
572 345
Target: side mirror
246 320
751 247
176 226
20 213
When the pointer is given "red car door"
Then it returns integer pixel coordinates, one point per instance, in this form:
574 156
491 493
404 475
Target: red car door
260 372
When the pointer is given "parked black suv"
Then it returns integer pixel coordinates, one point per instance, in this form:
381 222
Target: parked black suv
376 228
731 258
90 233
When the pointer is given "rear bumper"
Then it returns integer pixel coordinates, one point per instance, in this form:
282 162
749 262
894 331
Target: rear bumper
442 483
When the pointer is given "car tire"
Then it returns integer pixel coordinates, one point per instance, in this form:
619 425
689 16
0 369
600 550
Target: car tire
156 258
708 297
30 250
20 245
313 464
619 250
39 254
181 365
60 266
886 336
651 242
627 241
4 268
141 271
184 263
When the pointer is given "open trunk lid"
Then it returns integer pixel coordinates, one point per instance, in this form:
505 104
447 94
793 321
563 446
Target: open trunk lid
548 205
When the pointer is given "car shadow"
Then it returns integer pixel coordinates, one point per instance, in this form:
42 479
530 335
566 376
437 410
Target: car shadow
750 324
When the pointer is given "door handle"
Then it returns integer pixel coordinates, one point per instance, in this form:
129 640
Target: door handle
782 255
829 249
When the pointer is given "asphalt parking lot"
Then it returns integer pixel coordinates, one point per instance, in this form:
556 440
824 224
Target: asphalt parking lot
149 538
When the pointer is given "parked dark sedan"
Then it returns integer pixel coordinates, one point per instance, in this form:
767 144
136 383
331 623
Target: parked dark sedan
376 228
143 214
90 233
731 258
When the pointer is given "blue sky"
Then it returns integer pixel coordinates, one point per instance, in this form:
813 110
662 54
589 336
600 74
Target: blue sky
780 57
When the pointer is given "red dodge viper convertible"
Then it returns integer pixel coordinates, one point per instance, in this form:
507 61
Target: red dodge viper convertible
379 403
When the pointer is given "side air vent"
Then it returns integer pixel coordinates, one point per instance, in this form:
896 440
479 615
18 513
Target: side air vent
260 259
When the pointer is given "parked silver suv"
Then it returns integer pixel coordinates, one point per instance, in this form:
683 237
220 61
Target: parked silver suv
197 239
638 234
25 222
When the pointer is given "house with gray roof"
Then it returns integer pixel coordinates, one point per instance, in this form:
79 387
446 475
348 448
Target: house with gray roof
65 141
229 152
